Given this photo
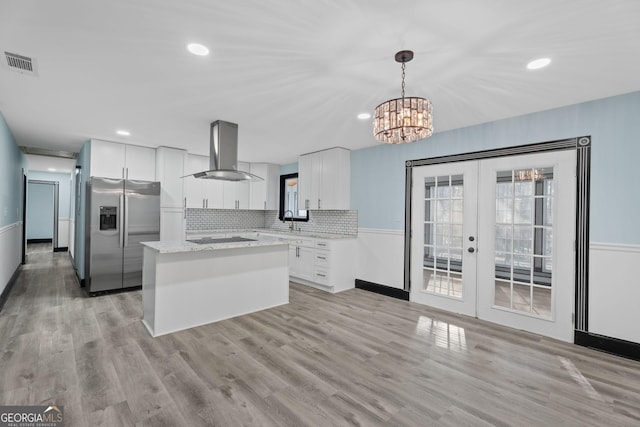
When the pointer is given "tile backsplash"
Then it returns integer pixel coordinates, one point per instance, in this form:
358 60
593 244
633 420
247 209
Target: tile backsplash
333 222
214 219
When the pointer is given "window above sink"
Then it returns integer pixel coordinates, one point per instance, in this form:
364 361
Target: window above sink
289 199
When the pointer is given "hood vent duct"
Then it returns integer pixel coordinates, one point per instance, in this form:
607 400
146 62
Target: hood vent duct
223 155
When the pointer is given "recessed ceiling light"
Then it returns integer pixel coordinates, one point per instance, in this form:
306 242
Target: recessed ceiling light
364 116
51 169
538 63
198 49
123 132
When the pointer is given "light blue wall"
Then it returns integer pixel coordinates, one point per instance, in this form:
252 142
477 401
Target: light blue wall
377 173
12 163
289 168
39 211
64 189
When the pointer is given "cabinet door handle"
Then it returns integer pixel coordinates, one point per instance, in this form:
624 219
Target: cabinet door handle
322 257
265 205
185 203
202 203
318 203
306 203
321 275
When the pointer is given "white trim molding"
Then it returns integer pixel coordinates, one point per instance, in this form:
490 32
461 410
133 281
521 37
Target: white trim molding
616 247
381 231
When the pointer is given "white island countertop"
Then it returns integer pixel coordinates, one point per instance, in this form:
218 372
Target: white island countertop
186 284
186 246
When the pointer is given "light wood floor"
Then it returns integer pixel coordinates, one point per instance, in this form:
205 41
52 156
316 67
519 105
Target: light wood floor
355 358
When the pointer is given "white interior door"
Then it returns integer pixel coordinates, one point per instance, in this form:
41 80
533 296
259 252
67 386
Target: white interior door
526 260
443 239
494 239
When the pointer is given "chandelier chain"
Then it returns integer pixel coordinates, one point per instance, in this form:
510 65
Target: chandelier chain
403 80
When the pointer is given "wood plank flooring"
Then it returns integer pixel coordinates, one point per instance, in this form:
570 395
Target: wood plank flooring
351 359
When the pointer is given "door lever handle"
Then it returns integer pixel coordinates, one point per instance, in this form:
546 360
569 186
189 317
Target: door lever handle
471 250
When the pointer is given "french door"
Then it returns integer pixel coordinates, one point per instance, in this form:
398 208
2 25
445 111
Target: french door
443 229
493 239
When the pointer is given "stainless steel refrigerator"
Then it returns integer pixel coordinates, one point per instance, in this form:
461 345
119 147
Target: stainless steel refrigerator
120 215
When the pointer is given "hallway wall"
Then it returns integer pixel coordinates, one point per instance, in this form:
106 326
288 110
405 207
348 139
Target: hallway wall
12 165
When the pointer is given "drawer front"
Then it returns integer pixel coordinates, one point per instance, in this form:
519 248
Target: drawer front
321 276
323 244
322 258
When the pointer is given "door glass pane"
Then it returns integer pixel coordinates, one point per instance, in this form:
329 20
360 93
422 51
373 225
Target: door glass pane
503 294
443 218
542 301
524 240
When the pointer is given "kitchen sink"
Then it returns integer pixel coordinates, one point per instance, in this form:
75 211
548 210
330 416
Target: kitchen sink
210 240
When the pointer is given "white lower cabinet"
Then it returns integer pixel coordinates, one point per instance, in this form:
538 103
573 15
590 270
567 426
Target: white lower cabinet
301 261
325 264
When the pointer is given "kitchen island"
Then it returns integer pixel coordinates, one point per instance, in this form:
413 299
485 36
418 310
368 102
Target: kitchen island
187 284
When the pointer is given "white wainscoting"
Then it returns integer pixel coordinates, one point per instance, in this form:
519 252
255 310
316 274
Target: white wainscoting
72 237
63 233
10 252
380 257
614 290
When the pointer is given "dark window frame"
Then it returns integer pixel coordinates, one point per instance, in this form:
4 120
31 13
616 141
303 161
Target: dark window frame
283 181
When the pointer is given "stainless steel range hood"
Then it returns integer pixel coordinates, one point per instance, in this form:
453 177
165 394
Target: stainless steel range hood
223 155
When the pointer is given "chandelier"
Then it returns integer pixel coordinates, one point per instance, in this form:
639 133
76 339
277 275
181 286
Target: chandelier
529 175
405 119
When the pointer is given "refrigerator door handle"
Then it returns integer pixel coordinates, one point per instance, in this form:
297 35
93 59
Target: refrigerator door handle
126 221
121 220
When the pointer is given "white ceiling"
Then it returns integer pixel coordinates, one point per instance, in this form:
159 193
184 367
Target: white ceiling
294 74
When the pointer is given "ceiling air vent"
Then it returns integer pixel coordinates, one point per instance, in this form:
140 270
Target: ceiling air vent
46 152
20 64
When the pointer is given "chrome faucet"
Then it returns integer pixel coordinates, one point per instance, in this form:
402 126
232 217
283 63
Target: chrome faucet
284 218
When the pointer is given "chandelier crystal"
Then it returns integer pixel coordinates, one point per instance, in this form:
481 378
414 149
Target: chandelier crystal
405 119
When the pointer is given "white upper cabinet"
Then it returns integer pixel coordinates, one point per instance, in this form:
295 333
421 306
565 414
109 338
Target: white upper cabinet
236 193
194 188
107 159
169 171
325 180
140 163
305 176
213 192
264 194
201 193
115 160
